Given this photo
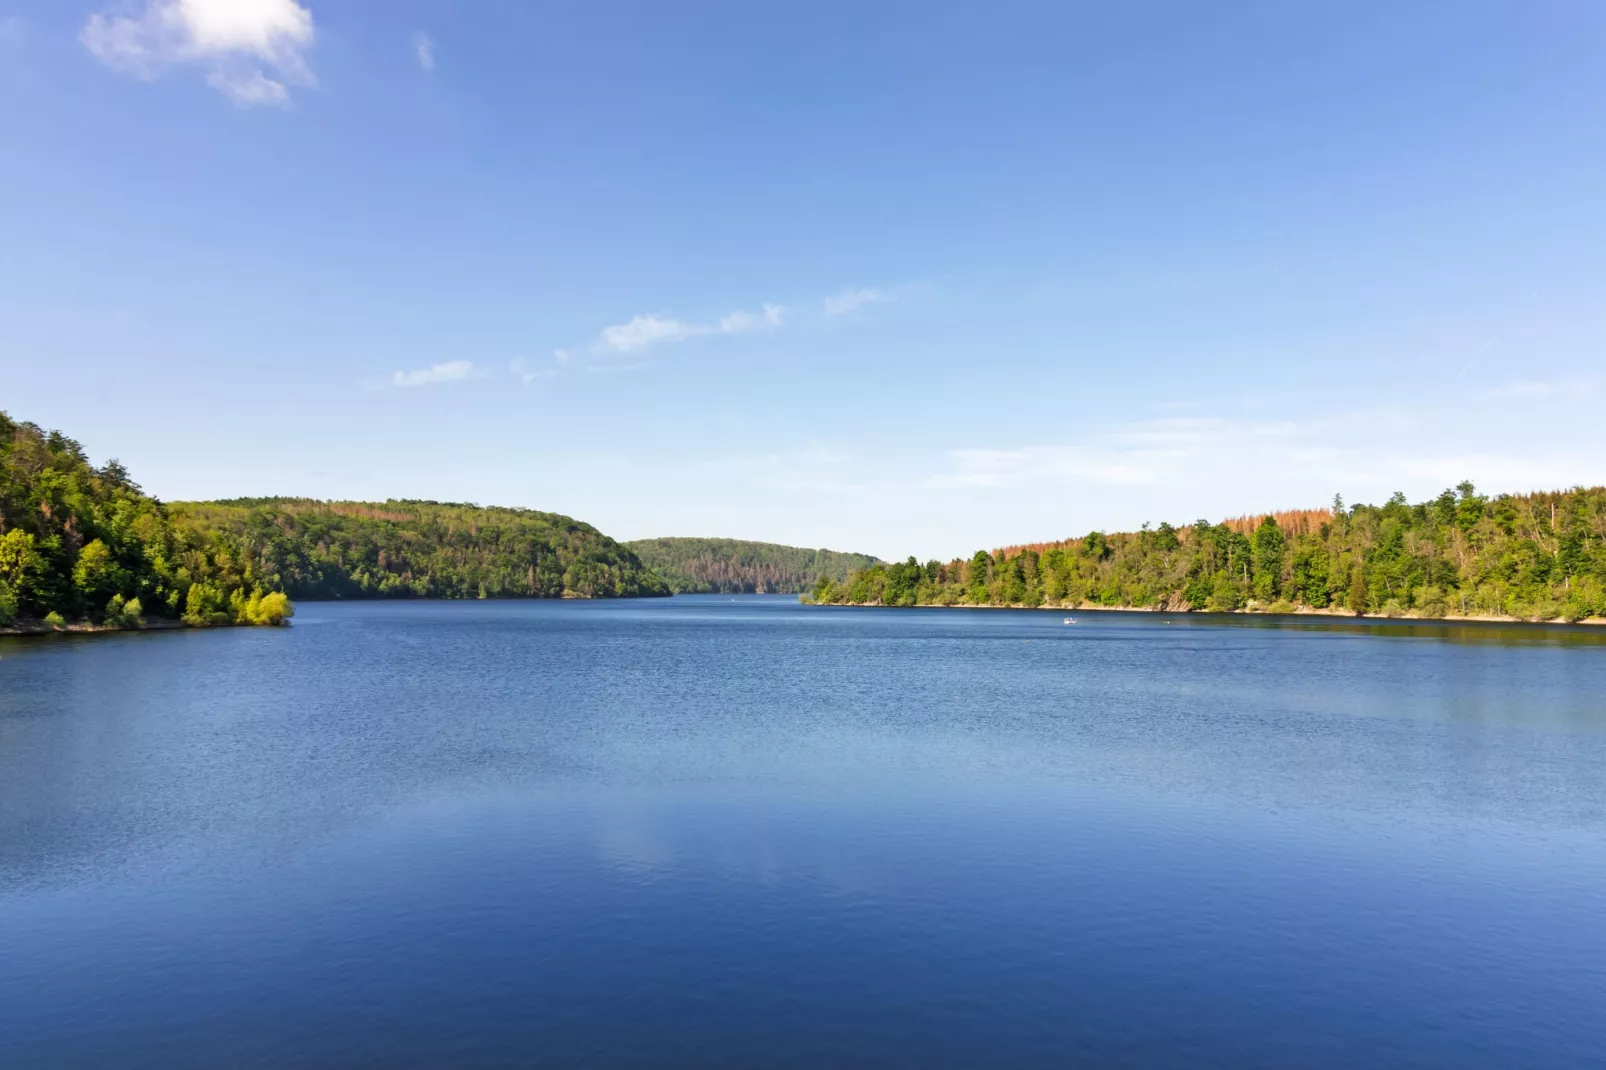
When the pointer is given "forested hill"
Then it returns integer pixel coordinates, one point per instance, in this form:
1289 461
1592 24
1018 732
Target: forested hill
421 549
732 566
1538 556
83 546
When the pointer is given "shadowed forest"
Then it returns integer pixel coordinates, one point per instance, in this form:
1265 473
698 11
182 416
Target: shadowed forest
733 566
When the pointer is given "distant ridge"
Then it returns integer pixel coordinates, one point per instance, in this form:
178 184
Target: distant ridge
737 566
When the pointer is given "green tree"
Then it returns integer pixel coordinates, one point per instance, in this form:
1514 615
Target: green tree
21 565
1357 600
96 573
1269 547
980 566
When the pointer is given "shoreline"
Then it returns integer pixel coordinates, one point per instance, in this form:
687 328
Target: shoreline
35 627
39 627
1303 611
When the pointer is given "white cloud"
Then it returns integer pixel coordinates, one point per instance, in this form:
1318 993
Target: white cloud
642 332
424 49
449 372
250 50
852 300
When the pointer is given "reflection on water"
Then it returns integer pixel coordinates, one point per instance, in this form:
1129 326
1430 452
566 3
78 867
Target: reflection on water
749 832
1454 631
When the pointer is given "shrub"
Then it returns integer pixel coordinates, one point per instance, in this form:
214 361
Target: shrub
8 605
53 620
121 614
1587 598
271 609
1534 608
1225 596
205 605
1430 601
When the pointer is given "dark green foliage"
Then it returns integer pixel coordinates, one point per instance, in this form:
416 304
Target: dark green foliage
419 549
1536 556
731 566
85 544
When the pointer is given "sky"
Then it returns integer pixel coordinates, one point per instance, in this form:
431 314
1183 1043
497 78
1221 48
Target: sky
896 278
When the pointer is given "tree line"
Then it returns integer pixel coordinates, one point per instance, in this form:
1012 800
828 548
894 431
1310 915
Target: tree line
84 545
1539 556
735 566
422 549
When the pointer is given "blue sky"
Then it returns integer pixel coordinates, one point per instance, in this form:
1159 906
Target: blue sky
899 278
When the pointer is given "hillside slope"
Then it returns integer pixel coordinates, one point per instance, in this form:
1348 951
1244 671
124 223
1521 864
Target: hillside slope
735 566
421 549
84 546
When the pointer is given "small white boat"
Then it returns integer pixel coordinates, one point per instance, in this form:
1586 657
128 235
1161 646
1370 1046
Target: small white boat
1070 620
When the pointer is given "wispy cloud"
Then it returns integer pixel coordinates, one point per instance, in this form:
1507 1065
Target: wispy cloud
424 50
1140 453
1365 454
815 468
643 332
1036 464
529 373
640 332
252 51
450 371
249 89
1537 390
852 300
743 322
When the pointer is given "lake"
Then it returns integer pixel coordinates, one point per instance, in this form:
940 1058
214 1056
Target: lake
748 833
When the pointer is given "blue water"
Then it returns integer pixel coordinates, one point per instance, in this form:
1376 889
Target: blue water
747 833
